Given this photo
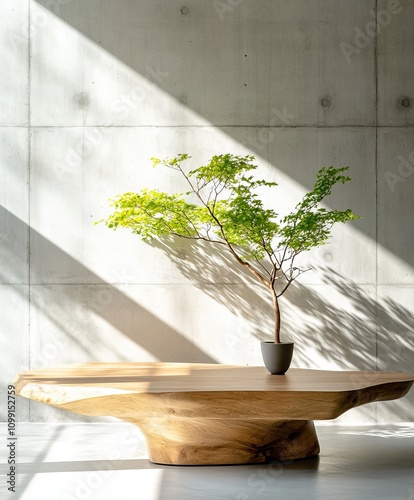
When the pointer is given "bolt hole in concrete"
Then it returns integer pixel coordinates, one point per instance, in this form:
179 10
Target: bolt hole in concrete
82 99
406 102
185 11
327 256
325 102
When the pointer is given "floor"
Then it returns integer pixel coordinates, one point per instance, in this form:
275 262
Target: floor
108 461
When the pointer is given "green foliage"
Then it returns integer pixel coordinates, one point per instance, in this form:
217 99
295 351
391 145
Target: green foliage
230 211
152 213
227 210
309 225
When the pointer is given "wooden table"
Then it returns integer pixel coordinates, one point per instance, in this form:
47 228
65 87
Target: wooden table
197 414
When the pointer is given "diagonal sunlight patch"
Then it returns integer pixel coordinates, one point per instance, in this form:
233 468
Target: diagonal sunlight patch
102 89
63 326
105 91
121 70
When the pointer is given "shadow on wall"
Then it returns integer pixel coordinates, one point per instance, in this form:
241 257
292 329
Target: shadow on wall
71 312
334 324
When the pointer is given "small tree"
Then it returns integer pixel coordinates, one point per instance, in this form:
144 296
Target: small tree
229 213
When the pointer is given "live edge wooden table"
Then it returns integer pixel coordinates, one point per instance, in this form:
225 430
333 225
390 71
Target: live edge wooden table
205 414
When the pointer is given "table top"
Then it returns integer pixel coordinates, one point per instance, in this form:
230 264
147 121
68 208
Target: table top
197 377
133 391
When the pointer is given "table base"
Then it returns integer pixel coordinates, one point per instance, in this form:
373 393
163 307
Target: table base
211 441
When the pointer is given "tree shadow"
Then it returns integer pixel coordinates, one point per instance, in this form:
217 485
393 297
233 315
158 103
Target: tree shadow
213 270
334 324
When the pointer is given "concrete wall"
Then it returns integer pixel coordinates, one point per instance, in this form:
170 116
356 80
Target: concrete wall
91 89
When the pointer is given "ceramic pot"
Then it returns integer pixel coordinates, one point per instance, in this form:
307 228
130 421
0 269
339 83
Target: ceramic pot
277 357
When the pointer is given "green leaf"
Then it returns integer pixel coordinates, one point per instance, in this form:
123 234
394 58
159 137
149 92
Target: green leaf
310 225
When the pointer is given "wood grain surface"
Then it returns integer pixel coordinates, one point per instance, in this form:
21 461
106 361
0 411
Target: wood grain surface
189 377
203 441
194 414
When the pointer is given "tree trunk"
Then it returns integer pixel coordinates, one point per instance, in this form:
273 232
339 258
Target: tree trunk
277 315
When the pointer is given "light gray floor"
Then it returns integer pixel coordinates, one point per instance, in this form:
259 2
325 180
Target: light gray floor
109 462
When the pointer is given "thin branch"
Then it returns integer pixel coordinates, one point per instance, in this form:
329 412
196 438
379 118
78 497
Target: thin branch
289 281
258 261
269 254
223 234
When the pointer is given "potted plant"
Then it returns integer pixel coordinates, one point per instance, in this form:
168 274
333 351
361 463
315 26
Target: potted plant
222 207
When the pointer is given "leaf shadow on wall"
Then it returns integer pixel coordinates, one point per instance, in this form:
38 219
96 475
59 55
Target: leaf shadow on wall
335 322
